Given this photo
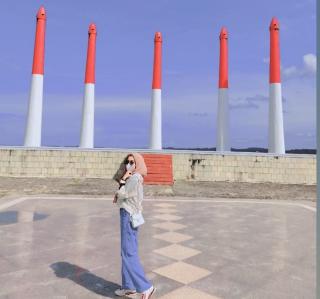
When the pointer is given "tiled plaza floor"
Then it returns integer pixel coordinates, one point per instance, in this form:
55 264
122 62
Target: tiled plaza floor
196 249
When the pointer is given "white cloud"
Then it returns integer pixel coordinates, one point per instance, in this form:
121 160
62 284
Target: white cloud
122 104
310 63
249 102
306 134
290 71
308 69
266 60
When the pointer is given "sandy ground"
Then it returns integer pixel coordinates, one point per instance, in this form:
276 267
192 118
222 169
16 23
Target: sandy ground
11 187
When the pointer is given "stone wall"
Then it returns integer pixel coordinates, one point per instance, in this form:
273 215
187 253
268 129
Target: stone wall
249 167
187 165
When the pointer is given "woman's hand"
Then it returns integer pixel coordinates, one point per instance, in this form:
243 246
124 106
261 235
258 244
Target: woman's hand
127 174
115 198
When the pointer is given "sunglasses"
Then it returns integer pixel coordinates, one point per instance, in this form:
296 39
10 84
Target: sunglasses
130 162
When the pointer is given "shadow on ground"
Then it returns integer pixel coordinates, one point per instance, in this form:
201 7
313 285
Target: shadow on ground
85 278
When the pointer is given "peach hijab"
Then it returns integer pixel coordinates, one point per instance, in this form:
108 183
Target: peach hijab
140 166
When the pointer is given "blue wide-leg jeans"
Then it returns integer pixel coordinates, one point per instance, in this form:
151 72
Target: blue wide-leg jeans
133 276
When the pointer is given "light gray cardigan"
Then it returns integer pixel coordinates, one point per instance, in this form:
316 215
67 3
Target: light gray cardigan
130 195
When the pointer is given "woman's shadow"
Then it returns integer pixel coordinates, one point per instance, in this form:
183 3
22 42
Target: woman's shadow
85 278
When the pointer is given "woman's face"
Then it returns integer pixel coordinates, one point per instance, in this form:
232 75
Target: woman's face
130 163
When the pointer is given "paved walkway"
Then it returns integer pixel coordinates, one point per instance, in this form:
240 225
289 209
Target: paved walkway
64 247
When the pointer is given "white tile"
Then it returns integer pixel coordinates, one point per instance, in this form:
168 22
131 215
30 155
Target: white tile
166 210
165 205
176 251
173 237
171 226
182 272
167 217
188 293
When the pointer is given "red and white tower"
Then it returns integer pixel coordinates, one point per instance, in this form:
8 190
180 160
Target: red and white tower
32 136
155 130
87 126
276 132
223 100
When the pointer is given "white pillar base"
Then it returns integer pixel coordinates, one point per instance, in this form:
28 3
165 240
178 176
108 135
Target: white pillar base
34 119
276 131
155 130
223 143
87 125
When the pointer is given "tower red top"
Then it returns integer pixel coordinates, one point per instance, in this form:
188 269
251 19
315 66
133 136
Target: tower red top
156 83
91 54
38 54
41 13
274 71
223 64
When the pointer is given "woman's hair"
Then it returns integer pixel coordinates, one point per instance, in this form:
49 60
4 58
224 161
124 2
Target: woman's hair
126 159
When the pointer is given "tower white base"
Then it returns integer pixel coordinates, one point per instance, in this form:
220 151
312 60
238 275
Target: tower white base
276 132
34 119
223 143
87 126
155 126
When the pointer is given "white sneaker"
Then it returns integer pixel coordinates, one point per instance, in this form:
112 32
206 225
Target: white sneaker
148 293
124 292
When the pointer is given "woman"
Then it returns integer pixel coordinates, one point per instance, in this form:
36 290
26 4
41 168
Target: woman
129 198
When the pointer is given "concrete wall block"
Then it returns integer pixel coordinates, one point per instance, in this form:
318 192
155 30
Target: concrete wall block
70 162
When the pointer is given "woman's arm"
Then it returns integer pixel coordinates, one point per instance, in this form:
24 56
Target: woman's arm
129 189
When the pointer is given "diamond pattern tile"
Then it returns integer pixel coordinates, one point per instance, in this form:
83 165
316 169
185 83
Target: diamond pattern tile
171 226
182 272
167 217
165 205
177 251
167 210
188 293
173 237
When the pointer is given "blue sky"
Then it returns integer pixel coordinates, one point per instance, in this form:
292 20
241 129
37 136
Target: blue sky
190 32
